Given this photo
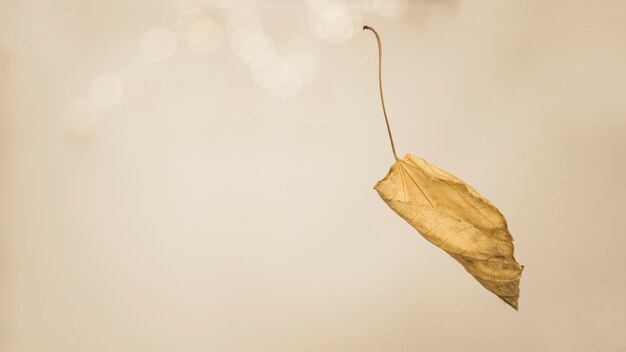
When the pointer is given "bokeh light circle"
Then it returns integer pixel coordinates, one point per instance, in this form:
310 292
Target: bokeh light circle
199 29
317 2
307 64
272 76
251 45
224 4
191 6
243 18
365 5
391 9
264 59
254 46
106 90
204 35
304 52
158 44
335 22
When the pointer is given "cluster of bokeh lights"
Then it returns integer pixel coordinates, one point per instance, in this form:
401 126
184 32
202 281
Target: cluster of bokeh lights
204 26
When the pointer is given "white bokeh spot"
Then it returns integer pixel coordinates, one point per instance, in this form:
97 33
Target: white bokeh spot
106 90
158 44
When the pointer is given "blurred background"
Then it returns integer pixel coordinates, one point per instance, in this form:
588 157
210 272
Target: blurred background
196 175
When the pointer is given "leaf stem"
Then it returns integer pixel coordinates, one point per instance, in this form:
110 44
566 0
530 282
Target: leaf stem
380 86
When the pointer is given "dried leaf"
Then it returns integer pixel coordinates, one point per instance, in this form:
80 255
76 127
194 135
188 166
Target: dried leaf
451 215
454 217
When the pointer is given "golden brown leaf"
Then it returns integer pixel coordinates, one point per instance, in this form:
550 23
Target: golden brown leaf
454 217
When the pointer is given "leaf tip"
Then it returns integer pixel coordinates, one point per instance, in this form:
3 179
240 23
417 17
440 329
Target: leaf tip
512 301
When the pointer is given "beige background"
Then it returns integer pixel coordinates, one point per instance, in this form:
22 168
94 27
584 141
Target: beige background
203 212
